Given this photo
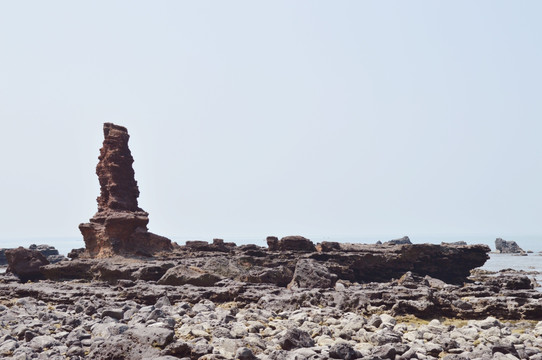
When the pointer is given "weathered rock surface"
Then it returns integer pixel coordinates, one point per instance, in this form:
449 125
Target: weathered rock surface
233 320
290 243
300 268
25 263
311 274
120 226
507 247
364 263
48 251
181 275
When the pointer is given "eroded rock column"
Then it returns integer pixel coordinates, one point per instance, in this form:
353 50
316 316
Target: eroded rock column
120 226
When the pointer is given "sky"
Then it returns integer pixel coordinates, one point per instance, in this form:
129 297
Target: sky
248 119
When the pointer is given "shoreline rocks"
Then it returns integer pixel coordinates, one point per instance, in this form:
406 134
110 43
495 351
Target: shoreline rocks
82 320
222 301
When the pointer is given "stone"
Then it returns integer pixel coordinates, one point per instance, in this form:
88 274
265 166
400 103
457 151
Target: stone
386 351
405 240
507 247
290 243
295 338
8 347
154 336
311 274
25 263
44 341
120 226
343 351
114 313
365 262
46 250
385 336
181 274
505 348
244 353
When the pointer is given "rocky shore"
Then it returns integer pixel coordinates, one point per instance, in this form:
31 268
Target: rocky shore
133 295
290 300
403 319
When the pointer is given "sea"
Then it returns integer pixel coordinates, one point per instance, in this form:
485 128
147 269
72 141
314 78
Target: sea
531 263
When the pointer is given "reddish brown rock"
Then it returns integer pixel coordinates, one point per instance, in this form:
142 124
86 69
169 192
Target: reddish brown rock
290 243
25 263
120 226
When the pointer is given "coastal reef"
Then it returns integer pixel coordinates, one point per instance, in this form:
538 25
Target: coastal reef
120 226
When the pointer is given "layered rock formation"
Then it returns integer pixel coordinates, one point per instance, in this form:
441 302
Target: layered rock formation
291 261
507 247
120 226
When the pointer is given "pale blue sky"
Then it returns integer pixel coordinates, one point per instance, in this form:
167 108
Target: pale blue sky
248 119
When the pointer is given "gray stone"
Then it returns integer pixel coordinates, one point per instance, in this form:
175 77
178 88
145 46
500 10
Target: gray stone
295 338
154 336
8 347
244 353
44 341
311 274
386 351
343 351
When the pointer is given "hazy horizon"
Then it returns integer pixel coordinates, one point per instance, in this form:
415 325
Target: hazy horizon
251 119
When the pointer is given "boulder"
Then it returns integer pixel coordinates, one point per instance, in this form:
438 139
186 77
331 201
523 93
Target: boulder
46 250
343 351
25 263
217 245
120 226
68 270
311 274
507 247
295 338
290 243
366 262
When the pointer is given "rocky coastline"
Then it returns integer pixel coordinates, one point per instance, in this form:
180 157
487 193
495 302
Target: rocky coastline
133 295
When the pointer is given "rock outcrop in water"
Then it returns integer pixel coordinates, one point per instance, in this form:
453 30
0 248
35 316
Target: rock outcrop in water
507 247
120 226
